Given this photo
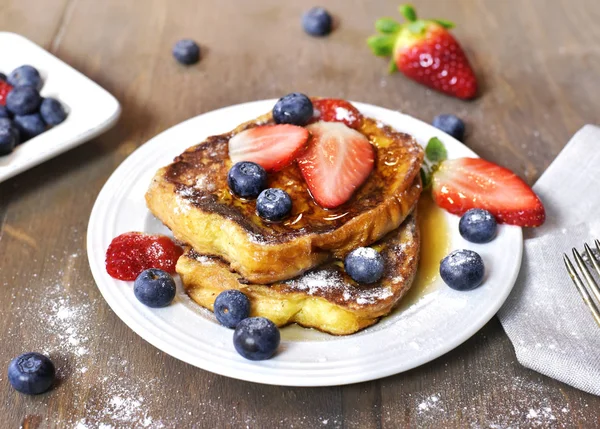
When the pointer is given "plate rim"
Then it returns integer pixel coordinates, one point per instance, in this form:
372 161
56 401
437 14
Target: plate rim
277 379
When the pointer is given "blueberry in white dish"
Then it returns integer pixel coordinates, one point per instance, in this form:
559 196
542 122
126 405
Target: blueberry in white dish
478 226
31 373
247 179
25 76
30 126
4 113
364 265
317 22
462 270
294 108
23 100
273 204
186 51
52 111
10 125
256 338
154 288
231 307
450 124
8 140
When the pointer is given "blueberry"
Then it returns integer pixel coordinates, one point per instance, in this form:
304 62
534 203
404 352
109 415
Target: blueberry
3 77
23 100
477 226
294 108
273 204
4 113
364 265
186 51
6 123
30 125
462 269
52 111
25 76
231 307
154 288
8 140
247 179
317 22
256 338
450 124
31 373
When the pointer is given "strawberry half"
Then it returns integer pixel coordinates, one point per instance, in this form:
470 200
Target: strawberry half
336 110
425 51
5 88
338 160
466 183
273 147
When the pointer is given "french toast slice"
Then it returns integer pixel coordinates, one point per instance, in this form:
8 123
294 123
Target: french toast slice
324 298
191 197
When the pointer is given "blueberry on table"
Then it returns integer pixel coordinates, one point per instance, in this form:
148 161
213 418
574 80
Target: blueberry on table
186 51
154 288
25 76
30 125
364 265
247 179
52 111
462 270
477 226
273 204
31 373
294 108
23 100
256 338
231 307
450 124
317 22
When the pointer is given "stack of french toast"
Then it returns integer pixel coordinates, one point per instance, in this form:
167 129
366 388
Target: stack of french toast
292 270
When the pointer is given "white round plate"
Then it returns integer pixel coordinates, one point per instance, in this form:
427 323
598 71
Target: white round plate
434 325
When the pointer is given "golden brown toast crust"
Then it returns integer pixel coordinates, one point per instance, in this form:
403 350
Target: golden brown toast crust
324 298
192 198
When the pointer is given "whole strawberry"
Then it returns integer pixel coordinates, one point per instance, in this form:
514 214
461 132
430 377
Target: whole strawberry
425 51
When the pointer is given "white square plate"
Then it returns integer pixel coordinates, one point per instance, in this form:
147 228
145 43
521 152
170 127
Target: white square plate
92 110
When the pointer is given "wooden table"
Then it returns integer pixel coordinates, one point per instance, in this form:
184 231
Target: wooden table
539 65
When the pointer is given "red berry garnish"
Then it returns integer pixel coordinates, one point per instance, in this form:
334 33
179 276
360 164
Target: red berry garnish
336 110
5 88
133 252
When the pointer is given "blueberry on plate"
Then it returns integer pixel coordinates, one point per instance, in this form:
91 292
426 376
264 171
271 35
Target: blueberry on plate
31 373
30 125
462 269
256 338
25 76
317 22
4 113
247 179
6 123
231 307
294 108
8 140
52 111
23 100
186 51
450 124
154 288
364 265
273 204
477 226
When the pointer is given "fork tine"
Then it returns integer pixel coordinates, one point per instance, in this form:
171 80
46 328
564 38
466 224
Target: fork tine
591 283
581 288
593 286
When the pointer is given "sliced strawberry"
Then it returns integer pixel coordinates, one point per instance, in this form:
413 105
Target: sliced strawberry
270 146
466 183
338 160
5 88
336 110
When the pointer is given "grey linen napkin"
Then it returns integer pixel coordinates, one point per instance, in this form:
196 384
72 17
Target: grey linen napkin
551 328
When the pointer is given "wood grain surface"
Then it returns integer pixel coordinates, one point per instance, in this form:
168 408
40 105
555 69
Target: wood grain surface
539 65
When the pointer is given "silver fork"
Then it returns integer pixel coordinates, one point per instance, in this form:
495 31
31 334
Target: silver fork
591 283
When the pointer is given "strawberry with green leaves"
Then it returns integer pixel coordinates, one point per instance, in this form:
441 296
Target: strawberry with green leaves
425 51
458 185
